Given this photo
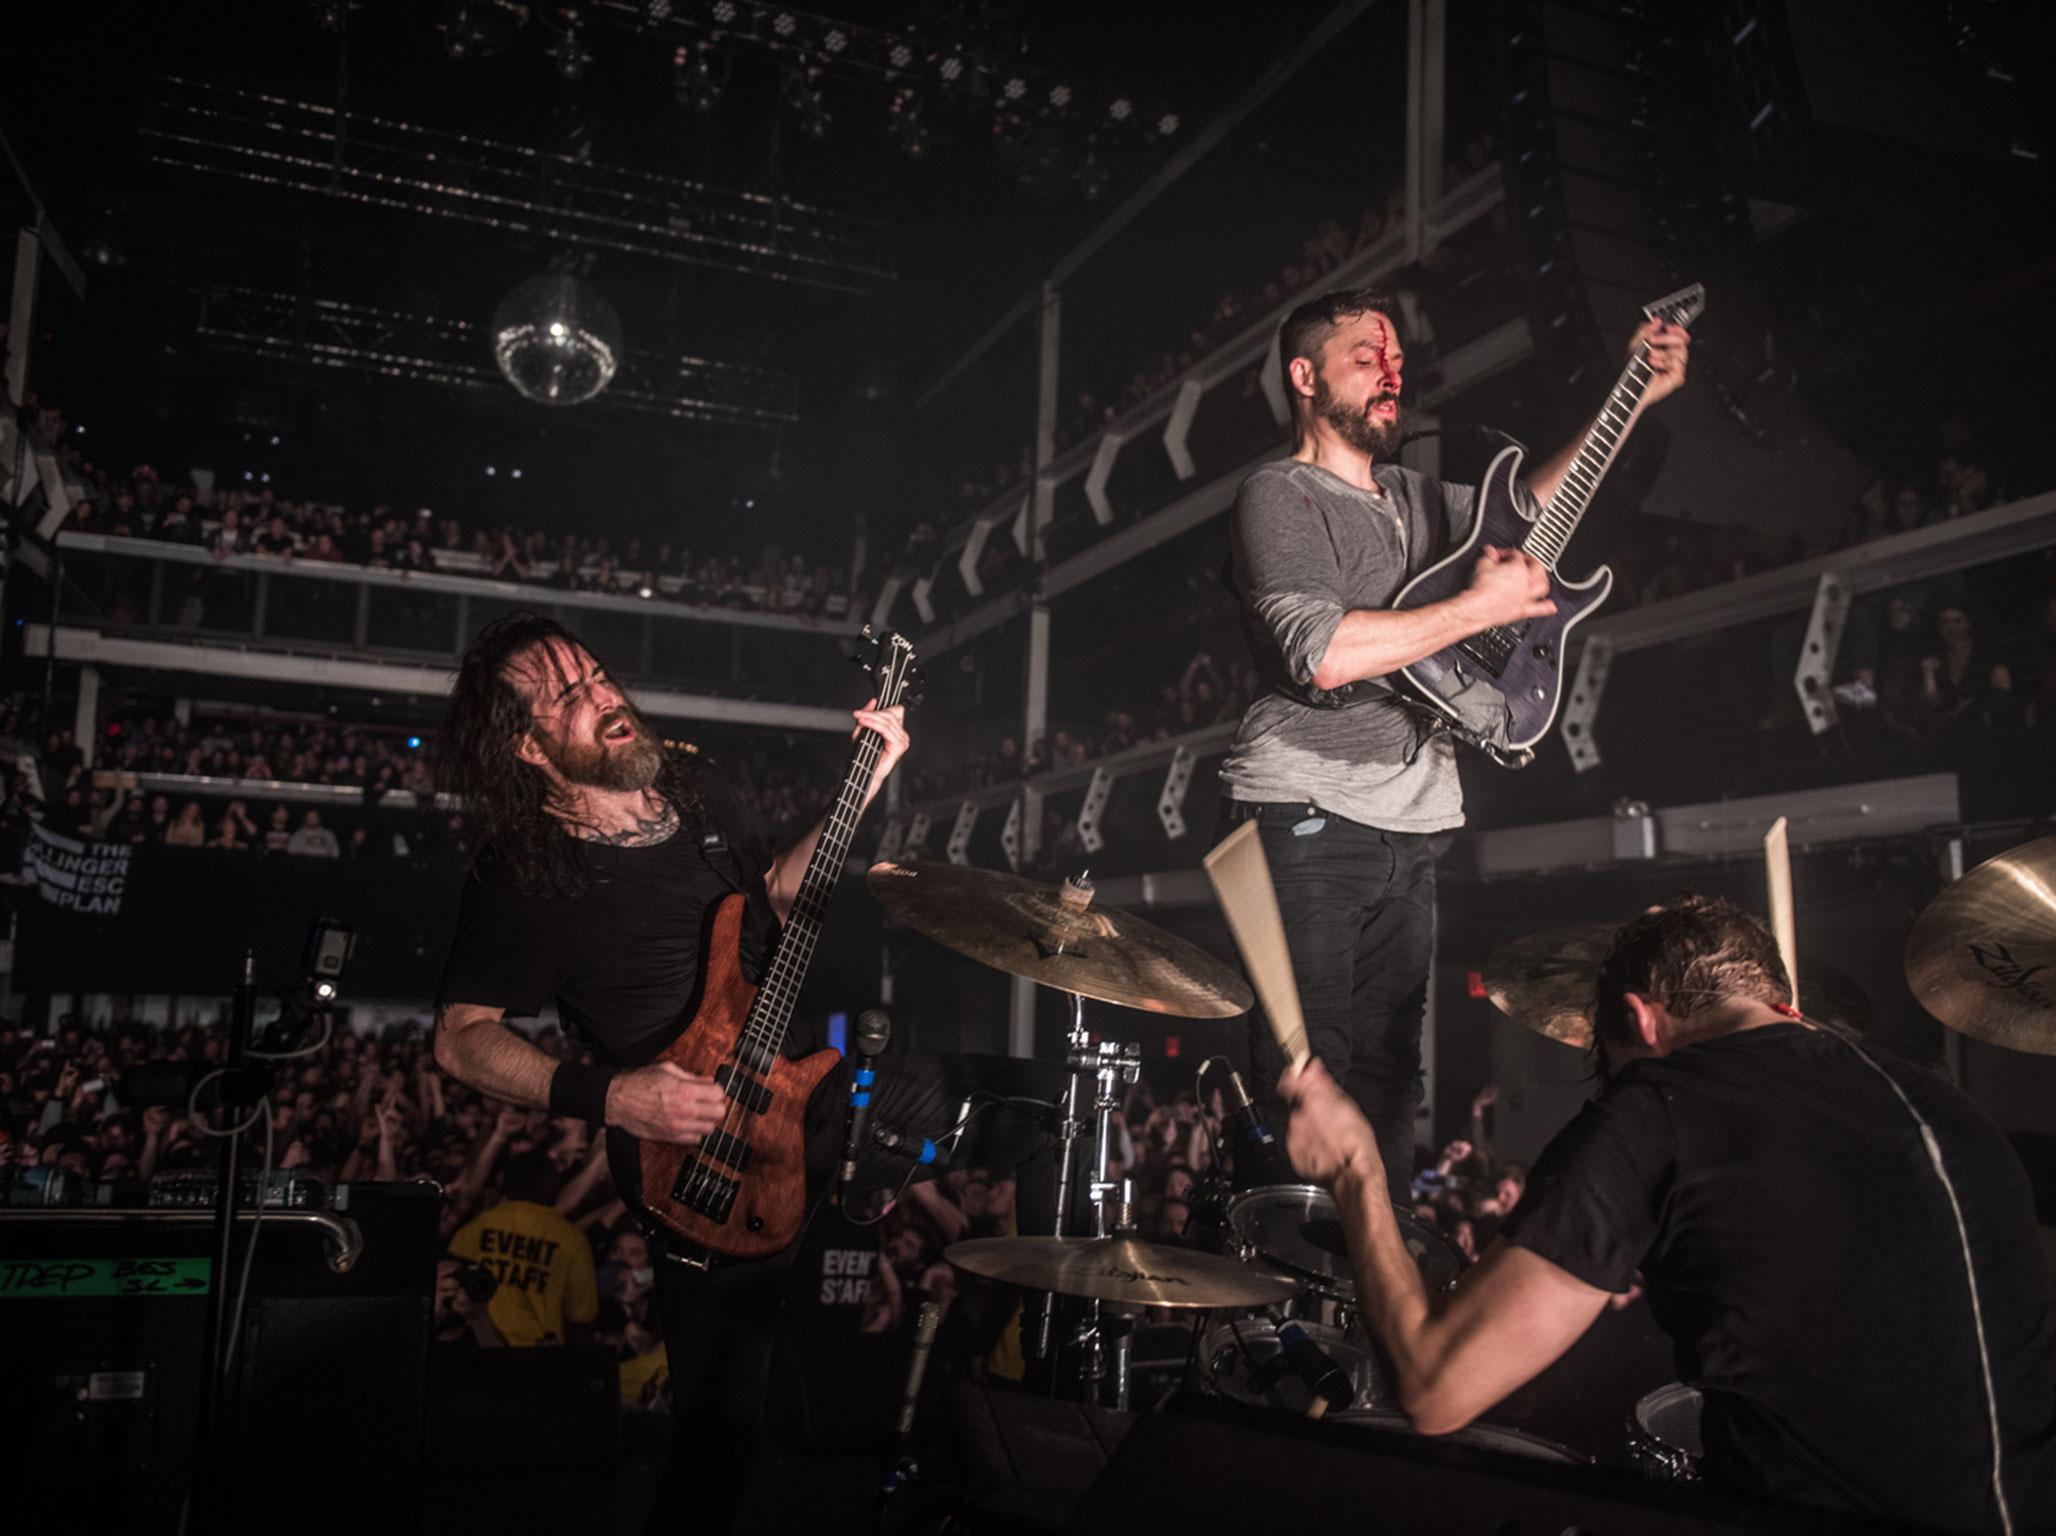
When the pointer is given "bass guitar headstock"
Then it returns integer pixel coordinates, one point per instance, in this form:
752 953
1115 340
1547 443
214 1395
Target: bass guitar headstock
888 656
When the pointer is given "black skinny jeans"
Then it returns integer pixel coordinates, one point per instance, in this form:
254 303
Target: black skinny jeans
1359 910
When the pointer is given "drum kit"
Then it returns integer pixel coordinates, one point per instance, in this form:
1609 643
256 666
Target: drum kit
1980 959
1282 1279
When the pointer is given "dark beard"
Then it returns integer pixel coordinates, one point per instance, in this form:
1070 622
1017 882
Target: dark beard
1378 439
595 765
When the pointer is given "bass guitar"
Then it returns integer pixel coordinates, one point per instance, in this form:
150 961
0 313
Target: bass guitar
742 1192
1499 689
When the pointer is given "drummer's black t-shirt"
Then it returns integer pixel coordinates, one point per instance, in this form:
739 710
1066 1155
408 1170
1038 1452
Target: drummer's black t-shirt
1799 1248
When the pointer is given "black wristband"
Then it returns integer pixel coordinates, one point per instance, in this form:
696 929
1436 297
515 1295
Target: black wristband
580 1092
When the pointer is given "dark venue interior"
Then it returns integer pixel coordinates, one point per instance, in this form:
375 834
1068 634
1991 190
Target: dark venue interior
848 771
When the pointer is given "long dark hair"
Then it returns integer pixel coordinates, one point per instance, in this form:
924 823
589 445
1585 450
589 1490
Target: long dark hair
506 799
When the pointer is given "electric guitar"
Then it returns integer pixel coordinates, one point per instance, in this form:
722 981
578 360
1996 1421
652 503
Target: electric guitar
742 1192
1499 689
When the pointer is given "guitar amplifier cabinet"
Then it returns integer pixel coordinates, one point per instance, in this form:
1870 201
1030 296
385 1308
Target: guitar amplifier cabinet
102 1317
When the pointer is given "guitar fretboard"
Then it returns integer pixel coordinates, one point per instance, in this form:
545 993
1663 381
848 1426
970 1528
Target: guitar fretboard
1551 535
764 1032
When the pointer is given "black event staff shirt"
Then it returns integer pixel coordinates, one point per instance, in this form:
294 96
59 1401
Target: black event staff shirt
622 959
1802 1254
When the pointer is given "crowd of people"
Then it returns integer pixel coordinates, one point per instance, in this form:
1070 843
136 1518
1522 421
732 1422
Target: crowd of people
227 521
89 795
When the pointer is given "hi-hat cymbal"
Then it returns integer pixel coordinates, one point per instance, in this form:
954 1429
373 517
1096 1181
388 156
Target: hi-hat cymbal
1544 982
1121 1269
1056 935
1982 958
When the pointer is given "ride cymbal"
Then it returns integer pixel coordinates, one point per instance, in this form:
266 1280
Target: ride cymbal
1055 935
1121 1269
1982 957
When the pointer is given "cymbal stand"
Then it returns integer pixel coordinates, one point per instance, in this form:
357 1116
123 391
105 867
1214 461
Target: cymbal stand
1113 1066
1078 1058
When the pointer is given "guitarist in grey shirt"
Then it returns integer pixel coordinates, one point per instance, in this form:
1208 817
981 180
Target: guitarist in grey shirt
1344 779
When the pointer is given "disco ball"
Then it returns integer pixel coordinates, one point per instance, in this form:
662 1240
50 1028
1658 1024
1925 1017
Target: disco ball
556 340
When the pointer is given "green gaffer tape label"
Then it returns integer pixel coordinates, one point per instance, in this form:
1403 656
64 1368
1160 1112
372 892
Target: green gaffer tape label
32 1279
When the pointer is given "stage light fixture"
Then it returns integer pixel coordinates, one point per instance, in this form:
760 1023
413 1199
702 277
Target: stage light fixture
556 340
1167 124
836 40
724 12
1014 89
1120 109
951 68
900 57
1060 96
784 24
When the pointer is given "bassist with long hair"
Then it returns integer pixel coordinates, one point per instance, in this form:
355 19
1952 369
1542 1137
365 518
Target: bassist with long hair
1345 775
604 862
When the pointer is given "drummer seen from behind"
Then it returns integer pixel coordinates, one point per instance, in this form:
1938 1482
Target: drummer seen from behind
1841 1245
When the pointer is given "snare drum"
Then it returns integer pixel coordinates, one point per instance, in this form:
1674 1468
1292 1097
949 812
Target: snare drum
1663 1433
1490 1437
1241 1360
1297 1227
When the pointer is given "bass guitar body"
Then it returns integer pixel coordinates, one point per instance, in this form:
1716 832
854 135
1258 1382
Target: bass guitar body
742 1193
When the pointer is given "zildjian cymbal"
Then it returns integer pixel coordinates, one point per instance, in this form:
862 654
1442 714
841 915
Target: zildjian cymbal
1982 958
1055 935
1121 1269
1545 982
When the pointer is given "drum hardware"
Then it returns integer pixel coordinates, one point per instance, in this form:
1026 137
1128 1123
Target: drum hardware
1055 936
1478 1436
1663 1432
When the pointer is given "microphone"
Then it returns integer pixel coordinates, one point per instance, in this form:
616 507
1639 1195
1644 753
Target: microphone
874 1028
906 1143
1265 1156
1327 1384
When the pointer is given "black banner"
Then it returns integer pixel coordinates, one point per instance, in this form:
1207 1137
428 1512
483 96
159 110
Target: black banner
106 917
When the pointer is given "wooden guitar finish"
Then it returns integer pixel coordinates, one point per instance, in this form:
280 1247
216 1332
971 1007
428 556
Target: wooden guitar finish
742 1192
770 1205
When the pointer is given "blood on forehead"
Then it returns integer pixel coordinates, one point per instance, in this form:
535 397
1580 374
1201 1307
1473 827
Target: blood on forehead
1370 329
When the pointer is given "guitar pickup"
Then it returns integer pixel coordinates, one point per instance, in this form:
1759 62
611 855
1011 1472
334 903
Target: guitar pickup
746 1090
1493 648
728 1149
756 1055
701 1189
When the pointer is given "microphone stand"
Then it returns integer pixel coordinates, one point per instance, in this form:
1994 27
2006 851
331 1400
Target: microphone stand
207 1502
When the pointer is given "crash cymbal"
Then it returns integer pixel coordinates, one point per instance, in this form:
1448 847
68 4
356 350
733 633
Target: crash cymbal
1982 958
1545 983
1121 1269
1057 935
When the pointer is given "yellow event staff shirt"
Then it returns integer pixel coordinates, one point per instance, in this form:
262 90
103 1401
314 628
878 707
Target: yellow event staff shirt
544 1266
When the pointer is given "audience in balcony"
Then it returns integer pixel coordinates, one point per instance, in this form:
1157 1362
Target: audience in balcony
259 522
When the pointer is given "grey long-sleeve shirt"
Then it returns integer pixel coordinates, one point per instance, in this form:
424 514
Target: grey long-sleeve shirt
1308 547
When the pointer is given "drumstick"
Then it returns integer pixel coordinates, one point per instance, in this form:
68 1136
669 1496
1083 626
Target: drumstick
1777 858
1241 878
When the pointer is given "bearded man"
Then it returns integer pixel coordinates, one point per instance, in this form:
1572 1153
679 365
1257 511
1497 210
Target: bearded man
601 856
1345 779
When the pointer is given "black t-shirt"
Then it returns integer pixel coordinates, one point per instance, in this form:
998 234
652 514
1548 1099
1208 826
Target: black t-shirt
621 959
1802 1253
